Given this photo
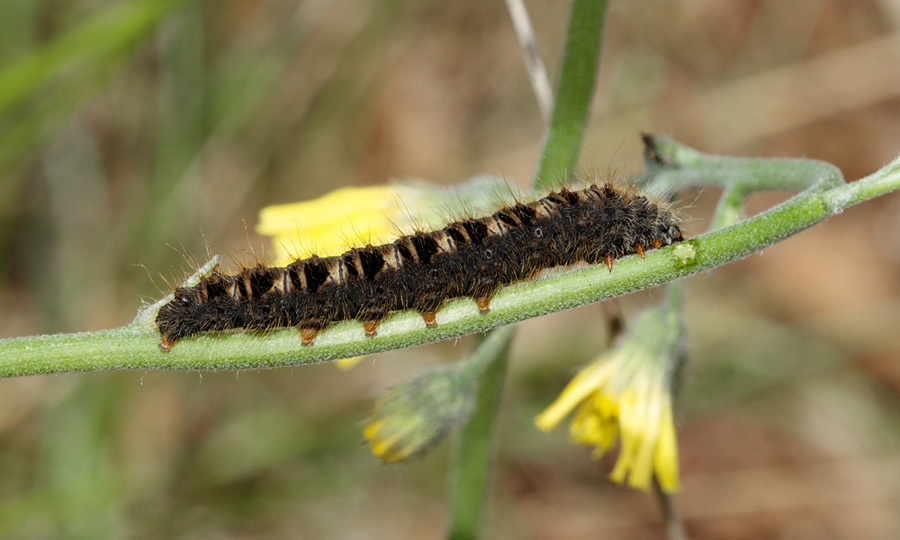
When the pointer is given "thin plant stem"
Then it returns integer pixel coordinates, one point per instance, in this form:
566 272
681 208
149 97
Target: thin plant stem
534 64
471 471
674 525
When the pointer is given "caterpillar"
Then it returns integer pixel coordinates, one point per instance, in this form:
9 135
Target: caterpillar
420 271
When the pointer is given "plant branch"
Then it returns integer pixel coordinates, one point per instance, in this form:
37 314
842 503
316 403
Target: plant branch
472 461
470 473
581 59
534 64
134 346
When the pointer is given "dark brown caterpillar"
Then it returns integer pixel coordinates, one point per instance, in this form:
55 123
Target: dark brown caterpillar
469 258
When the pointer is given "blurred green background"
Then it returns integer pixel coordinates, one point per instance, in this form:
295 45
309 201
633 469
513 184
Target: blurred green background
136 137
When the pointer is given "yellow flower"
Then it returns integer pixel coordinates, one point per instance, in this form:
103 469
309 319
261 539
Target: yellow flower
394 439
352 216
328 225
626 394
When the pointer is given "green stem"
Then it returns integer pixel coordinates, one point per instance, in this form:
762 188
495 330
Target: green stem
671 165
882 181
581 59
728 211
134 347
674 525
470 471
562 146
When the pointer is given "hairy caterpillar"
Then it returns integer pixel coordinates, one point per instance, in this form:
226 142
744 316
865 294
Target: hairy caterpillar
467 258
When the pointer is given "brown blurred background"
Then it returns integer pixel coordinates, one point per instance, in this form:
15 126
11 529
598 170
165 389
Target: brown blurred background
136 135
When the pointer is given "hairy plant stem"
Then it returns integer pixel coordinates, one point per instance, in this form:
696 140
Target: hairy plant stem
562 144
134 346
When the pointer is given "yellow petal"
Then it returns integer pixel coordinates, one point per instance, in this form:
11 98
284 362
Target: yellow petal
578 389
666 458
329 225
348 363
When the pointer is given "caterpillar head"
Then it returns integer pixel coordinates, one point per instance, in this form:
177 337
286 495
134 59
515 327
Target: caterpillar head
178 318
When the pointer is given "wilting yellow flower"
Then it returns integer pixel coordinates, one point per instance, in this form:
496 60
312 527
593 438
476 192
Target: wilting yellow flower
626 394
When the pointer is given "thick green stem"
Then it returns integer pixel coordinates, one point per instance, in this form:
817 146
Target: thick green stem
562 147
134 347
581 59
471 467
882 181
671 165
